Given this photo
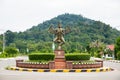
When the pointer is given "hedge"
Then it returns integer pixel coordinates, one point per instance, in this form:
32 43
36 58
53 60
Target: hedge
77 57
50 57
41 56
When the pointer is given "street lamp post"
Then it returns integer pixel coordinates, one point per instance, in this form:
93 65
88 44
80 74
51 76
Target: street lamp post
3 42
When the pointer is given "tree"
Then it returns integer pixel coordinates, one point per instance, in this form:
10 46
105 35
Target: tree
96 47
118 55
9 37
11 51
117 46
31 47
21 45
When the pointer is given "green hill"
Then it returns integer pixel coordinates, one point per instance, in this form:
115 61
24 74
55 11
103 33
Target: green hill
83 32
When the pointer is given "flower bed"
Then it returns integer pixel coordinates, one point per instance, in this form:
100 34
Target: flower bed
86 65
37 65
51 65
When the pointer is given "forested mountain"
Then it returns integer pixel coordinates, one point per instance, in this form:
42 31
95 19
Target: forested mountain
83 32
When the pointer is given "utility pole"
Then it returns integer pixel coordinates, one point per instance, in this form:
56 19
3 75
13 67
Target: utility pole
3 42
3 39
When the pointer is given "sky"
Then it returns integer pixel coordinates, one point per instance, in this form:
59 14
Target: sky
20 15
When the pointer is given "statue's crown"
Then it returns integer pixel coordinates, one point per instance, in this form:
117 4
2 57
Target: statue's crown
59 25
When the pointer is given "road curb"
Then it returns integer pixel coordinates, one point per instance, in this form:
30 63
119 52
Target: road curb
61 70
115 61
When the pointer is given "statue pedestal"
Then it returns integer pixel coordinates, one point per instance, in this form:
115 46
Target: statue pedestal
60 62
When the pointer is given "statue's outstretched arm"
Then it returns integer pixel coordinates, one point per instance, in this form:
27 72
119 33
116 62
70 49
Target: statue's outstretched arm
67 30
51 30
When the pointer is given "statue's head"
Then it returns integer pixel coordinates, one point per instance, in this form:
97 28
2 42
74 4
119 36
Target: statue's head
59 25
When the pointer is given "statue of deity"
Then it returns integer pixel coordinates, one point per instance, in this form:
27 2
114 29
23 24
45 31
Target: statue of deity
59 33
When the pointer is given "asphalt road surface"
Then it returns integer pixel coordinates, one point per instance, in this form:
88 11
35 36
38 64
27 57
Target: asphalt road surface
18 75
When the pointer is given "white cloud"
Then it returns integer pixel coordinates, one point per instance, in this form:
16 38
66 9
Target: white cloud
19 15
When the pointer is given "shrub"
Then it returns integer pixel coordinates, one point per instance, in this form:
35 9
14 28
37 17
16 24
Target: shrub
3 55
41 57
97 55
76 57
10 50
109 58
118 55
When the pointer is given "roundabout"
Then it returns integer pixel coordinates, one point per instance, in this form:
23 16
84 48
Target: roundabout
59 61
15 73
59 65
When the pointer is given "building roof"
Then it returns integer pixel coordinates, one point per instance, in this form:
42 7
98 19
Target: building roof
111 47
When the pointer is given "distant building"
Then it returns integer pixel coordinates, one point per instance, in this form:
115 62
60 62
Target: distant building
111 47
110 51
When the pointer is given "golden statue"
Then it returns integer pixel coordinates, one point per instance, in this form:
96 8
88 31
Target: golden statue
59 33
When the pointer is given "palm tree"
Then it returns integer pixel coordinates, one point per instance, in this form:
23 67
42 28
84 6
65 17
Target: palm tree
97 47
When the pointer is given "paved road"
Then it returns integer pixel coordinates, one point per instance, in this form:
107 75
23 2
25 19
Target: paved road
17 75
114 65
